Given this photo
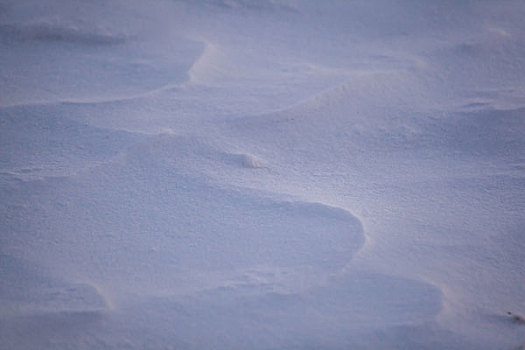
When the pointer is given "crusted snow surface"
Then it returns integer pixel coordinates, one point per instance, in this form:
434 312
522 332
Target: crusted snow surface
274 174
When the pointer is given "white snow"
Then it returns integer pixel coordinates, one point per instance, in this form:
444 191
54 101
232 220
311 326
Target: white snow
273 174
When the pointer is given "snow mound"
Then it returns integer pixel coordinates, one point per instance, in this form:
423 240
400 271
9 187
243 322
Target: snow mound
43 294
187 228
11 33
330 315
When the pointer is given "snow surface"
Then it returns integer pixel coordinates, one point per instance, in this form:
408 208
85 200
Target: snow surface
272 174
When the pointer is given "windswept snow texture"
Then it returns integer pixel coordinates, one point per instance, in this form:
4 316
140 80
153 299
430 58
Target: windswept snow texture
264 175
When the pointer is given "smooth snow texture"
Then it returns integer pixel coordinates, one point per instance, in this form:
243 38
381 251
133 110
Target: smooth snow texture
274 174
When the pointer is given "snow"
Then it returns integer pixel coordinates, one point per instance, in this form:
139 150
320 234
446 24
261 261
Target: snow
274 174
